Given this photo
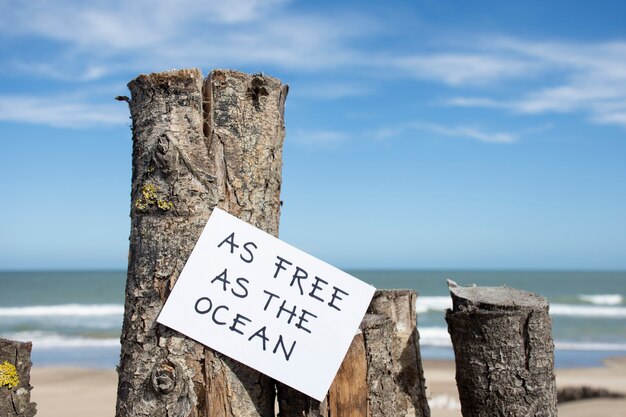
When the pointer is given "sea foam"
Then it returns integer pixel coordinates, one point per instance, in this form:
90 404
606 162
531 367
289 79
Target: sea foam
434 336
82 310
439 337
587 311
602 299
425 304
47 340
605 306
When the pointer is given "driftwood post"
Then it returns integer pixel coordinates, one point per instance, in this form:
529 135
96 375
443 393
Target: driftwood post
347 395
381 375
502 339
15 379
197 144
405 388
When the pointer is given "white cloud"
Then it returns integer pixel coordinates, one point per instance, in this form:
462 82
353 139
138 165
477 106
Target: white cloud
601 103
466 132
462 68
590 79
123 24
97 39
331 90
472 102
612 117
61 112
151 35
565 98
322 138
473 133
390 132
55 72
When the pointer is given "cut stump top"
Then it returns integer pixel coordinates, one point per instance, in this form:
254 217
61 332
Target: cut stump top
495 298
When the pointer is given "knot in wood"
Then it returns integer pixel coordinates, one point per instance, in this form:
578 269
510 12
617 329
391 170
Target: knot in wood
164 378
164 156
163 144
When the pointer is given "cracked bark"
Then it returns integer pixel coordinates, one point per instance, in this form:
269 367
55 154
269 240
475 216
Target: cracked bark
15 400
197 144
381 375
502 339
406 389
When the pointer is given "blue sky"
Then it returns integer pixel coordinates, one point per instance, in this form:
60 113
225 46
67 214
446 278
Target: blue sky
420 134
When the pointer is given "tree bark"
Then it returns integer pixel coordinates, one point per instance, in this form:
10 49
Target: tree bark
15 379
407 388
502 341
381 375
196 144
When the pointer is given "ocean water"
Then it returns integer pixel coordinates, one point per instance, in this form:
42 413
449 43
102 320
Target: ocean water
75 318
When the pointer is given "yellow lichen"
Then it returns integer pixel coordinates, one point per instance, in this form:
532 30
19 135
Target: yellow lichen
165 205
149 198
149 193
8 375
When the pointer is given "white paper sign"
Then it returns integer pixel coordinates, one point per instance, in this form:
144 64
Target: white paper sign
267 304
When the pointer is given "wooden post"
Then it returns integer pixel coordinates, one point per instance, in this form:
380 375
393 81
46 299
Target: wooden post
196 144
15 379
502 341
347 396
381 375
406 388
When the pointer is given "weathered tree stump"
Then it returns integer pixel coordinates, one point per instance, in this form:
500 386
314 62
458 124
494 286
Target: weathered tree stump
15 379
381 375
196 144
502 339
406 388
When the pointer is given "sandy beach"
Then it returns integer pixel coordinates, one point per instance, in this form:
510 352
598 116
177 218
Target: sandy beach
441 389
77 392
74 392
